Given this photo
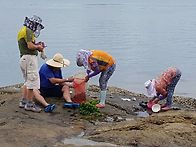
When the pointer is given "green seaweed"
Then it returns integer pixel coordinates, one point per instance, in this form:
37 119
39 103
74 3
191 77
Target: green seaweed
89 109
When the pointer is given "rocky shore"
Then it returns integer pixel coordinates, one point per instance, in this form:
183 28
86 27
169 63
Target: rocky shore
123 123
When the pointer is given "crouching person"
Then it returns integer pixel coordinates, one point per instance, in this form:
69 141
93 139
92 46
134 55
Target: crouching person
97 62
163 87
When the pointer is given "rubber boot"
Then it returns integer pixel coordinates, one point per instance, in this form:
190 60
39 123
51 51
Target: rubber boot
102 99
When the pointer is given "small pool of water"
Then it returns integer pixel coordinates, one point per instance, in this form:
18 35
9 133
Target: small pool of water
84 142
142 114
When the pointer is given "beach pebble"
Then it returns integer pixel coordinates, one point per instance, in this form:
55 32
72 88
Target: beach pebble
119 118
109 119
126 99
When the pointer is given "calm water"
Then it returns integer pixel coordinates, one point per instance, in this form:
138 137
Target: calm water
145 37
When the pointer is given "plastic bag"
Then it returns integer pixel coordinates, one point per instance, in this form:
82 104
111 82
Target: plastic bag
79 85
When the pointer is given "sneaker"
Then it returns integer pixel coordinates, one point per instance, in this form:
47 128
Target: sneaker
100 105
49 108
166 108
30 106
22 103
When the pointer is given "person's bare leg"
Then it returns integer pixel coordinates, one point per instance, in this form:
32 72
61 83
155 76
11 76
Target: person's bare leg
66 93
30 95
24 91
39 97
23 99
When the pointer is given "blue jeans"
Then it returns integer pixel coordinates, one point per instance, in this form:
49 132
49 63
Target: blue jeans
105 75
171 87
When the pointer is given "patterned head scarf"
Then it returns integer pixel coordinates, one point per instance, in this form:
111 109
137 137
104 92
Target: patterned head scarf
34 23
82 58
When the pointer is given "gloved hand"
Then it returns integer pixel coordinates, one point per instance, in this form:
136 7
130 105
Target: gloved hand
42 43
88 71
41 46
161 97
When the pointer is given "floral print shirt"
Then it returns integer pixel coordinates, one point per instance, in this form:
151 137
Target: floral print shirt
164 80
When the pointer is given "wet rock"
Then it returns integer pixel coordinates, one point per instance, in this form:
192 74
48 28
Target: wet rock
118 125
119 119
137 108
109 119
2 102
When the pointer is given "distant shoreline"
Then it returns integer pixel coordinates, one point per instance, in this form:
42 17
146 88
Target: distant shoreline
10 86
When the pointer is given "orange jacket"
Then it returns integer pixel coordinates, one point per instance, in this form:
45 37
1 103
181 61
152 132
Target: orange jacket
103 59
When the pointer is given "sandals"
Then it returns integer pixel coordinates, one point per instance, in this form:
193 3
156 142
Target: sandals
49 108
71 105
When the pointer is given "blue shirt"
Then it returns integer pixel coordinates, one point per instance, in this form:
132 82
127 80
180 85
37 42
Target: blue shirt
45 73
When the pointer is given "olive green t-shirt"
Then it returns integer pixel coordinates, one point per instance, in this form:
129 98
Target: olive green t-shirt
26 35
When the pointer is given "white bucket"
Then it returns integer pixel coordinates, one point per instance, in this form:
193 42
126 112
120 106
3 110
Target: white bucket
156 108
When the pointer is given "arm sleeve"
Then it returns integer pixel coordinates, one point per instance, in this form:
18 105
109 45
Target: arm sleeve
57 74
49 74
29 35
93 74
96 70
88 71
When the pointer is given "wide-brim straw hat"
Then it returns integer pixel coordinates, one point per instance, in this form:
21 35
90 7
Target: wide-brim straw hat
58 61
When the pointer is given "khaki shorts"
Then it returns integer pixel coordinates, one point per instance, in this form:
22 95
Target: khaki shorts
29 68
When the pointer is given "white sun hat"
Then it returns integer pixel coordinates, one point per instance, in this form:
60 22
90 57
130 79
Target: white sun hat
58 61
150 87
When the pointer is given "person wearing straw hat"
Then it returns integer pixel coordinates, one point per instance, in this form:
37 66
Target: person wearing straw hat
95 62
28 60
163 87
52 83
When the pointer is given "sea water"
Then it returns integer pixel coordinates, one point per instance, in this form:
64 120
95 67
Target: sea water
144 36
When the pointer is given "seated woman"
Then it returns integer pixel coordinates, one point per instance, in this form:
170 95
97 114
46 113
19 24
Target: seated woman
52 83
